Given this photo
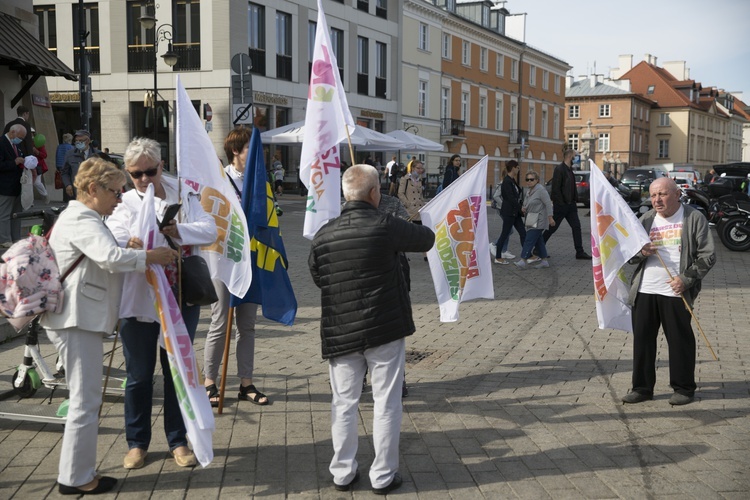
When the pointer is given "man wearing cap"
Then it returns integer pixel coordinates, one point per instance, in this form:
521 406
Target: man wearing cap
11 168
564 196
81 151
23 119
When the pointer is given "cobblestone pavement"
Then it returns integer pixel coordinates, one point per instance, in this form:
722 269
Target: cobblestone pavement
518 399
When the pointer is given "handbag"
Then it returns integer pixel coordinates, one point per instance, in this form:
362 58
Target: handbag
58 180
531 221
195 279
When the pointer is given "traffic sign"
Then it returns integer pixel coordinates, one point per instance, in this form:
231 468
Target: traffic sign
242 114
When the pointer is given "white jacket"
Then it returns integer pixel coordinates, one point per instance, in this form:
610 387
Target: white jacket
94 288
195 226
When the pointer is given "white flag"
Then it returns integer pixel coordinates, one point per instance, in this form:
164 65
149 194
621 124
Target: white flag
326 124
191 395
197 164
460 260
616 236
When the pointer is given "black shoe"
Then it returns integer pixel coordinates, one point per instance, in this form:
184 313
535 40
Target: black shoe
106 483
395 484
348 486
636 397
678 399
583 256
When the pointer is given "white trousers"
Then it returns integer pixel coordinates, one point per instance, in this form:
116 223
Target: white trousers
81 352
386 366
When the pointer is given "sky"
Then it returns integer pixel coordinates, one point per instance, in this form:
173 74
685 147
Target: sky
710 36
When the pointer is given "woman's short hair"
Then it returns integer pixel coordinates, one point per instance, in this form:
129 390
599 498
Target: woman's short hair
358 181
67 138
510 165
533 174
236 140
99 171
142 146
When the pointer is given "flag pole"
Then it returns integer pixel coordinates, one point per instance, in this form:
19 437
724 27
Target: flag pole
109 368
349 140
690 309
225 360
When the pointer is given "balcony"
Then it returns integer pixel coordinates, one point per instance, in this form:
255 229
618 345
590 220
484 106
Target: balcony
258 60
284 67
93 56
517 136
140 58
190 56
452 131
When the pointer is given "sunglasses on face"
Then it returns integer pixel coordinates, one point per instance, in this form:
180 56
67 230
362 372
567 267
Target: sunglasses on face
530 179
137 174
117 193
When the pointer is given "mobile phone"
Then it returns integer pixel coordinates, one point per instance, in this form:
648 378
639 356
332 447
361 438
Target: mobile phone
169 215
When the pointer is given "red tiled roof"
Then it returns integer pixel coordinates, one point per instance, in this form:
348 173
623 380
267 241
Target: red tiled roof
643 75
739 108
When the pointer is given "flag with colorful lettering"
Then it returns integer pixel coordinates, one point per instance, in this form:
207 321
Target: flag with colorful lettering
326 120
271 287
460 260
191 395
616 236
197 164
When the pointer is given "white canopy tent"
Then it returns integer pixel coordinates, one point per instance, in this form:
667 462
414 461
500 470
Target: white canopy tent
414 142
364 139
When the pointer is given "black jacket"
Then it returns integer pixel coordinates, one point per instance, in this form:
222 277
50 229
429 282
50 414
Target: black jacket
27 144
564 190
512 197
10 173
354 260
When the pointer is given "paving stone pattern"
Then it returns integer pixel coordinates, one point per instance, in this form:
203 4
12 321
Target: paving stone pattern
518 399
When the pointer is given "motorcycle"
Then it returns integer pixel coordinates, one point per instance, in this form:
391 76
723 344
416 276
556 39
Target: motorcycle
734 225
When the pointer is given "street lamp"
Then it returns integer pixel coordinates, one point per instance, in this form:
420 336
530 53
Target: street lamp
162 33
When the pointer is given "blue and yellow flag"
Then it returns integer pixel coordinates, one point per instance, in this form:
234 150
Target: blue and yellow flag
270 287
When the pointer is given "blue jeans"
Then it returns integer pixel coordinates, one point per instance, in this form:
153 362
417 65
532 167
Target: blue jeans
509 222
139 344
534 240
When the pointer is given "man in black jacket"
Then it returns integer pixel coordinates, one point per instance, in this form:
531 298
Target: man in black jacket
11 168
366 314
565 202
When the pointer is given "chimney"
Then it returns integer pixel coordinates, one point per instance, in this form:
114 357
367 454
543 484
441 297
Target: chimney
626 63
592 81
650 59
569 79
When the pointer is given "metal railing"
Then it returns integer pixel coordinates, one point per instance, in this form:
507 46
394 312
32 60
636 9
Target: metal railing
517 134
363 84
258 59
284 67
449 126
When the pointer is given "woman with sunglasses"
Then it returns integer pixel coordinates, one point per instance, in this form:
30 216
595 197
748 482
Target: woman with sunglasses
139 329
82 245
537 210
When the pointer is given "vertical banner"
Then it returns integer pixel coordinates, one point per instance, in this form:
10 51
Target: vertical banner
460 260
229 256
326 121
616 236
191 395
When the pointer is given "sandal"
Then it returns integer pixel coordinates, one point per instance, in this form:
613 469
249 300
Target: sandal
213 395
245 392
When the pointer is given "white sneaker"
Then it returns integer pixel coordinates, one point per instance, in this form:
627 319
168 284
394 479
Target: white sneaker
521 264
507 255
502 262
493 249
533 259
542 264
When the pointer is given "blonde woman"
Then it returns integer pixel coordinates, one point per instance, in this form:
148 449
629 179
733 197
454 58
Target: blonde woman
92 300
537 211
410 191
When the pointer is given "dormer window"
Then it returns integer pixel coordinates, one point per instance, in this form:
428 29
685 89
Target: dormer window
650 89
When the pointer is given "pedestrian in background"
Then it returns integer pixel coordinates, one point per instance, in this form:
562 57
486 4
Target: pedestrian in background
510 210
354 252
681 236
537 212
452 170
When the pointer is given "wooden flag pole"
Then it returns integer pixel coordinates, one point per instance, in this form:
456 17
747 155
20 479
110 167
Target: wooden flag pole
690 309
225 360
349 140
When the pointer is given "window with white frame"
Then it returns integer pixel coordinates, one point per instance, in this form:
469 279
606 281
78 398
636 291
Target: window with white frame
514 70
574 111
500 65
634 143
513 116
603 142
466 53
605 111
483 111
483 56
573 141
465 107
544 123
556 124
422 98
663 148
532 118
424 37
545 79
557 84
446 46
499 113
648 115
663 119
532 75
445 99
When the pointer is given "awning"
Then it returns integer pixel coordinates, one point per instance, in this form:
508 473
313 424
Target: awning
22 52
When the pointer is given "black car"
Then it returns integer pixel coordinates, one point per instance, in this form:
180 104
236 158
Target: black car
640 178
728 179
582 186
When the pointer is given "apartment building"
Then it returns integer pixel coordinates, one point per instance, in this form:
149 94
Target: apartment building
473 87
277 36
608 121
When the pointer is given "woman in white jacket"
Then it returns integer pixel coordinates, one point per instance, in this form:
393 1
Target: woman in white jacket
92 299
140 326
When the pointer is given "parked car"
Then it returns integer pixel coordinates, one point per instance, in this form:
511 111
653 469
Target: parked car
691 172
728 179
640 178
582 186
684 181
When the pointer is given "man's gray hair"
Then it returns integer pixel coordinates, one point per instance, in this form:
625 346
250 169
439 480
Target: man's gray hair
17 129
142 146
358 181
